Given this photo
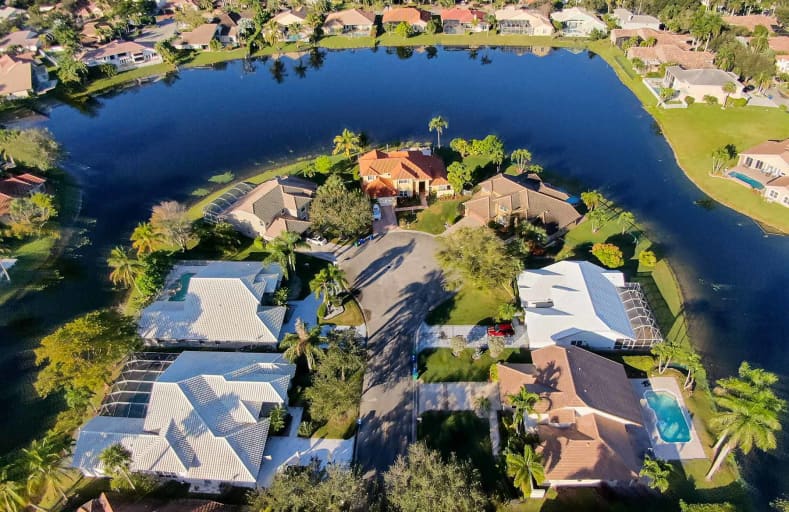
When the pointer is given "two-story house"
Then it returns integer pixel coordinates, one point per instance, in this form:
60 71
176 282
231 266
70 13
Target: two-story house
768 164
405 173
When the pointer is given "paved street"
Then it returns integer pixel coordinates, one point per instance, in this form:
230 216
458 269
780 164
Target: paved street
398 280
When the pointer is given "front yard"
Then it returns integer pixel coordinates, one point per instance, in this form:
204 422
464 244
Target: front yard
439 365
435 218
469 306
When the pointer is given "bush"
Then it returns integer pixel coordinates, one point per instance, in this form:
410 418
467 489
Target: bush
155 267
610 255
493 373
647 259
690 100
322 310
495 347
710 100
306 429
108 70
458 345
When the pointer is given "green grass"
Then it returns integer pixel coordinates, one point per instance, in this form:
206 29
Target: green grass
439 365
434 218
121 78
469 306
33 256
351 316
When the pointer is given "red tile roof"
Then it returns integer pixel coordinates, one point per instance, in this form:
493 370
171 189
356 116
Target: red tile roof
462 15
410 15
402 165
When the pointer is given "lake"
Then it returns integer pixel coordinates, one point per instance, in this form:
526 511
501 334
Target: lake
162 140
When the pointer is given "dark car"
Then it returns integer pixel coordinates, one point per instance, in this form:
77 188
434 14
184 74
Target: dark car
749 88
499 330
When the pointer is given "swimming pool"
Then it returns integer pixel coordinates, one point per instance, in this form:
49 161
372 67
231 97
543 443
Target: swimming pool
746 179
671 422
181 288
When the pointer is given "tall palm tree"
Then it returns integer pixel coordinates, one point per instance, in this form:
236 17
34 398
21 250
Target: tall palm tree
656 472
272 34
304 343
438 124
347 143
282 250
10 493
729 88
626 219
692 363
665 351
44 462
525 469
330 281
523 402
125 268
145 238
117 463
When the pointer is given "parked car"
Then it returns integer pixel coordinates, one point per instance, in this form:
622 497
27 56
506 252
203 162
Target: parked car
500 330
316 239
376 212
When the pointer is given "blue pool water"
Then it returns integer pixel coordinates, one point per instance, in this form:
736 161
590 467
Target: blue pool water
746 179
183 287
671 422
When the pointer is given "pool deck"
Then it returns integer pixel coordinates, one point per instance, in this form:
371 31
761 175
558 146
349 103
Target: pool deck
755 175
693 449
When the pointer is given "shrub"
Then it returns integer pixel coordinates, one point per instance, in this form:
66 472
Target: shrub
495 347
493 373
458 345
306 429
277 418
108 70
259 243
281 296
710 100
690 100
609 255
647 259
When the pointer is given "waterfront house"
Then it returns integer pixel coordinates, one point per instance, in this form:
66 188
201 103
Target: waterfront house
619 36
417 19
513 20
118 503
164 29
227 33
22 76
26 40
654 57
405 173
460 20
752 21
627 20
203 420
578 22
765 167
293 24
215 303
123 55
777 191
588 420
579 303
699 83
198 39
273 207
350 22
503 198
18 186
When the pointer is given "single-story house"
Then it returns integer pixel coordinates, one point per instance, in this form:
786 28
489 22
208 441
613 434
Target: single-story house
627 20
22 75
206 421
578 22
273 207
751 21
620 35
655 56
503 198
699 83
513 20
459 20
406 173
27 40
123 55
417 19
117 503
579 303
350 22
777 191
15 187
198 39
216 303
293 24
588 420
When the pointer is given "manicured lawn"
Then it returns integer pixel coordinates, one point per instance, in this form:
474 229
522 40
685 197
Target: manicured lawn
434 219
121 78
27 272
439 365
469 306
351 316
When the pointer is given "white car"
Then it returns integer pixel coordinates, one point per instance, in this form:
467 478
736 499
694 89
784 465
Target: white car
376 212
316 239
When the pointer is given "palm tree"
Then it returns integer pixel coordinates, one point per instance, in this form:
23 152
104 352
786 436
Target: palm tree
525 469
523 402
438 124
117 463
692 362
347 142
330 281
272 34
125 268
282 250
665 352
43 461
626 219
729 88
656 472
303 343
145 238
10 493
521 158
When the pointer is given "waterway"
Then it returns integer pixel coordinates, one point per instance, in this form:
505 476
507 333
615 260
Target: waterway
160 141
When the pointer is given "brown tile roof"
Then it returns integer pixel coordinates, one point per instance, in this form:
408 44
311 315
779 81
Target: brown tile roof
380 187
782 181
399 165
23 38
779 44
350 17
14 187
513 376
770 147
410 15
267 200
112 503
750 22
16 75
668 53
200 36
661 36
113 48
462 15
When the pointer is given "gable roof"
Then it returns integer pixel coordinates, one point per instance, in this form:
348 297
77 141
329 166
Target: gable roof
24 38
410 15
752 21
270 199
350 18
291 17
200 36
462 15
512 13
114 48
671 53
16 75
576 13
17 186
704 76
778 148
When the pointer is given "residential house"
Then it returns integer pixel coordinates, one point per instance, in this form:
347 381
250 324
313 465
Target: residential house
578 303
620 35
780 45
588 420
206 421
197 39
118 503
698 83
9 14
655 56
417 19
782 63
273 207
777 191
293 24
95 33
90 11
350 22
406 173
165 29
123 55
578 22
752 21
217 303
21 76
227 33
15 187
26 40
513 20
460 20
627 20
768 164
503 198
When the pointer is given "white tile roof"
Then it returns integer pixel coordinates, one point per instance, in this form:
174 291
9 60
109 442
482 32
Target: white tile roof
222 303
574 297
203 420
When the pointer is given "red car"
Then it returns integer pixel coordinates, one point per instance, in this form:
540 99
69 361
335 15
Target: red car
499 330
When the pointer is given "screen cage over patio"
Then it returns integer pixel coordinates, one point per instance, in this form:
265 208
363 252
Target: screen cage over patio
213 212
641 319
131 392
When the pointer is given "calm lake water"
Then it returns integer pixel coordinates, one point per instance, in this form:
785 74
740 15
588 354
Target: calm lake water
161 141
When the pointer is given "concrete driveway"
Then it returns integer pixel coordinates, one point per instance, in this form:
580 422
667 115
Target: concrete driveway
388 220
398 280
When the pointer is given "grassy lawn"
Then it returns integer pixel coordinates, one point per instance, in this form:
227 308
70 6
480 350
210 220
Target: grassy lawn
469 306
434 219
121 78
439 365
33 256
351 316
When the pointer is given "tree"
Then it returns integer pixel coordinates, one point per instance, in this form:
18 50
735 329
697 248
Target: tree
145 238
343 357
403 29
750 414
597 217
71 70
32 148
337 385
525 469
323 164
609 255
479 257
125 268
10 493
347 143
462 146
626 219
495 346
656 472
729 88
282 250
666 93
458 345
330 281
492 147
303 343
721 157
78 398
521 159
44 464
523 402
592 199
438 124
168 52
422 481
30 214
507 312
759 40
692 363
117 461
171 220
458 175
665 351
272 34
337 211
154 269
276 418
647 259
